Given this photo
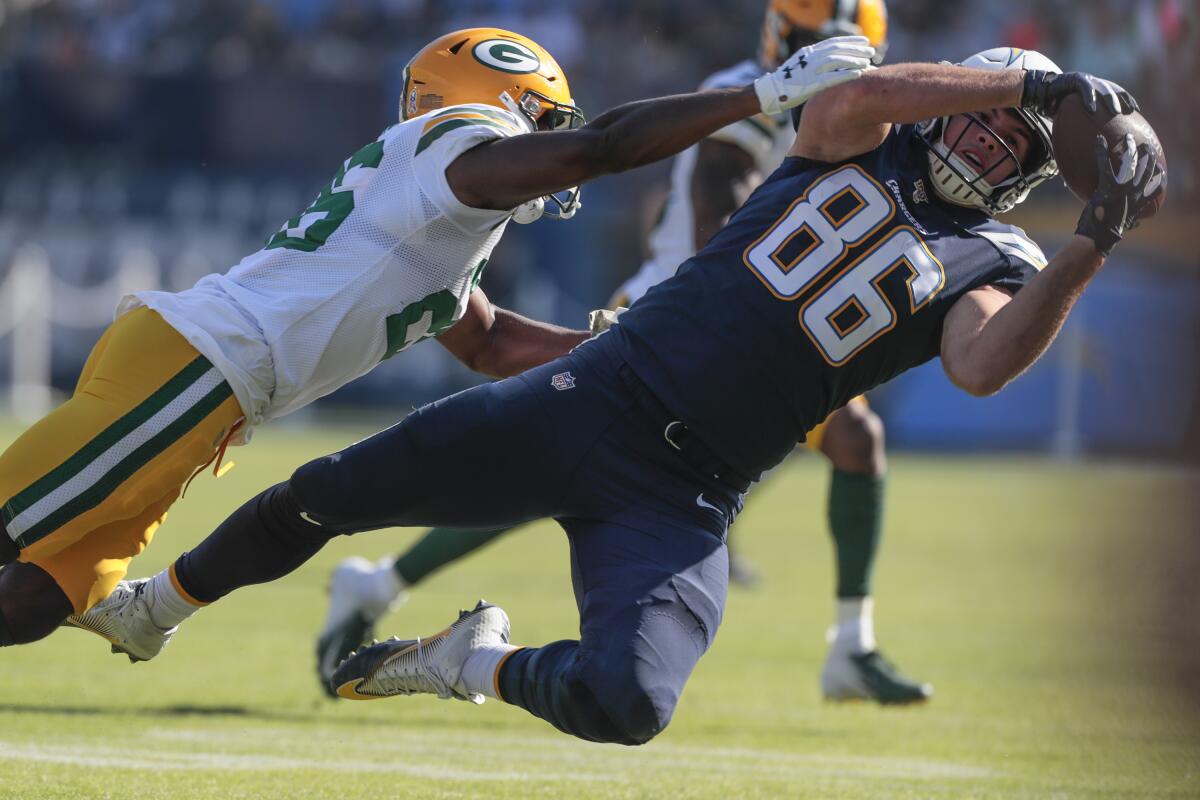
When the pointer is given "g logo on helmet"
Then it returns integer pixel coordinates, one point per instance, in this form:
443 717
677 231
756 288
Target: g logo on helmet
507 56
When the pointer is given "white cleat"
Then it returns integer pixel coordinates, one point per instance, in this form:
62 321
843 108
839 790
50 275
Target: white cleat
359 595
869 676
422 666
123 618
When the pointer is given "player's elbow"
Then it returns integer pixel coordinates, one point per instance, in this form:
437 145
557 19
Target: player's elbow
486 359
976 382
974 375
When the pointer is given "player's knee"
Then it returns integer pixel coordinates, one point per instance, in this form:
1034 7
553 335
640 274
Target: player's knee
643 717
32 605
854 441
321 489
632 714
638 701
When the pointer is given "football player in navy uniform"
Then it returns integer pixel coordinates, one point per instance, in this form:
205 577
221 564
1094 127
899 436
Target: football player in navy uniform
708 182
872 249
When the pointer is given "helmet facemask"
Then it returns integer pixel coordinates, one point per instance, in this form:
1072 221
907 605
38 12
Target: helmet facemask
956 180
545 114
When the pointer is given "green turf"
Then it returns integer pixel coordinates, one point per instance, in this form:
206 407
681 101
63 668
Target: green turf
1024 590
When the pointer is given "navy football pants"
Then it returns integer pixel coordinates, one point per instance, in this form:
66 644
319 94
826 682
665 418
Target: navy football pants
569 441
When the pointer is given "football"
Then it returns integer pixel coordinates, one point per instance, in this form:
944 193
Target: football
1074 142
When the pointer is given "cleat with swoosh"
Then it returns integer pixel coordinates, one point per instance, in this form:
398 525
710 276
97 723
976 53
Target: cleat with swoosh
431 665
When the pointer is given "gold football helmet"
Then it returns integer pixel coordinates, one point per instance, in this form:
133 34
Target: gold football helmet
491 66
792 24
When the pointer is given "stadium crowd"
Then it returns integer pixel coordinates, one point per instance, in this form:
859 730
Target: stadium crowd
611 49
193 128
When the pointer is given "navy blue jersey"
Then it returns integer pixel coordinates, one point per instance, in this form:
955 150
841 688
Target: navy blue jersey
830 280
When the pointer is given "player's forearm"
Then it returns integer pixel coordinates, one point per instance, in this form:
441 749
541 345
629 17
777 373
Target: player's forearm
645 131
507 172
906 93
515 343
1017 335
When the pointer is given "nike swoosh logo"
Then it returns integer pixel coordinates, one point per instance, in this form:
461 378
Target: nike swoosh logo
700 501
349 691
304 516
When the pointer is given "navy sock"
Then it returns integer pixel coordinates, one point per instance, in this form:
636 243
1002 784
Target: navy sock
263 540
5 637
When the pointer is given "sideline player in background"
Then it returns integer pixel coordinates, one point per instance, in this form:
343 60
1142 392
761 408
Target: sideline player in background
388 254
872 250
708 182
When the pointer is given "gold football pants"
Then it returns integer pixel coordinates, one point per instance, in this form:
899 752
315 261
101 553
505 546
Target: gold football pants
85 488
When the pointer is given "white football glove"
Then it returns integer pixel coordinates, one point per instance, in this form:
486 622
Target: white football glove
813 69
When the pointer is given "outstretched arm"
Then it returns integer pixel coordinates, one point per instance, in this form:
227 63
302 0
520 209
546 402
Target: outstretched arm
989 337
855 118
507 172
499 343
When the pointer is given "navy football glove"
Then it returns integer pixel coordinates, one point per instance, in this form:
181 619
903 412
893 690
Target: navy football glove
1120 196
1044 91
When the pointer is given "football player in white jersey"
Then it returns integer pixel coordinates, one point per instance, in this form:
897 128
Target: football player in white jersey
389 253
708 182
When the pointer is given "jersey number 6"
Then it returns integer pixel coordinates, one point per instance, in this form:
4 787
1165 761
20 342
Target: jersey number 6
813 239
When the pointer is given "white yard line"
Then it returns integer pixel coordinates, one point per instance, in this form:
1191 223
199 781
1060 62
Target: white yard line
440 754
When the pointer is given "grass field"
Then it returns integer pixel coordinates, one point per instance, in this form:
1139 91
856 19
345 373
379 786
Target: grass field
1024 590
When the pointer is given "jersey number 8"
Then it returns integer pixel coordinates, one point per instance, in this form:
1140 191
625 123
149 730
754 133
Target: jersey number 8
813 239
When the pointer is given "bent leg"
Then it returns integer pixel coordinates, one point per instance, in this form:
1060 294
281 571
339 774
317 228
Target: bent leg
148 411
84 488
650 605
465 460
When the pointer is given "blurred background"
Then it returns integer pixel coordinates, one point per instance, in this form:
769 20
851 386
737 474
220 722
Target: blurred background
145 142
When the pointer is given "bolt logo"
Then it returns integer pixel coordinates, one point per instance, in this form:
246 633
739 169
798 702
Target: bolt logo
507 56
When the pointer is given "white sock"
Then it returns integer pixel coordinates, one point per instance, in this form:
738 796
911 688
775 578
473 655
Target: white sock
479 673
855 627
387 582
168 607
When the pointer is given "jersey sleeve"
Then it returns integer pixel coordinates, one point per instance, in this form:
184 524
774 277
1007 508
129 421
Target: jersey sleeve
1025 259
445 136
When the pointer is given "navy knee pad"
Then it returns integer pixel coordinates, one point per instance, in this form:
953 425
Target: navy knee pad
319 490
633 714
8 549
32 606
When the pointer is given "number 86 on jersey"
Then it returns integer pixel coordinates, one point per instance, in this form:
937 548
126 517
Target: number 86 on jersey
814 238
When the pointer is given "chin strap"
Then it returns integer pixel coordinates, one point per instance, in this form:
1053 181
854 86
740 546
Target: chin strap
529 211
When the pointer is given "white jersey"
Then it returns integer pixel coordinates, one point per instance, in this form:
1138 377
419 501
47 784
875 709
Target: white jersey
673 241
384 257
